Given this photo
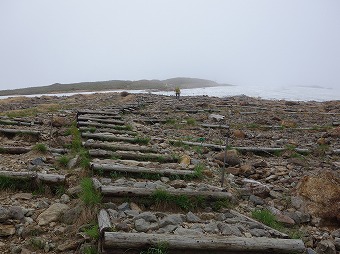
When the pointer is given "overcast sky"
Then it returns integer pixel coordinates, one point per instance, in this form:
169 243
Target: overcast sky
241 42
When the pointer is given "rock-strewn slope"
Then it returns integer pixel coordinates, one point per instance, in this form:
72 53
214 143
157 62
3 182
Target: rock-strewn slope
157 162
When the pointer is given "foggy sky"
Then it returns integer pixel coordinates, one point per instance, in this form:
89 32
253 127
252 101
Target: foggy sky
241 42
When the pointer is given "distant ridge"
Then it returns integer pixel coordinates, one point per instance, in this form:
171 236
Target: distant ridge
168 84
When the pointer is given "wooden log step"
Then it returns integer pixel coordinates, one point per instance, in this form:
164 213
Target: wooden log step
14 150
135 242
214 126
114 191
109 137
99 120
9 122
102 125
117 117
45 178
99 153
336 123
152 121
19 132
21 150
97 112
241 149
103 130
119 147
129 169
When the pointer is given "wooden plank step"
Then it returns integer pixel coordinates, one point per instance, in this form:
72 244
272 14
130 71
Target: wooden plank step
102 125
9 122
109 137
126 155
99 120
97 112
135 242
214 126
114 191
129 169
20 132
119 147
21 150
45 178
241 149
117 117
106 130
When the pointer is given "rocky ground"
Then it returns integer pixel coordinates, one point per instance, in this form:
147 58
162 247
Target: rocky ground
156 163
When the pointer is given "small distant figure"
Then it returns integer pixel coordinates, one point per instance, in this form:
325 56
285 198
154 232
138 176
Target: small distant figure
178 92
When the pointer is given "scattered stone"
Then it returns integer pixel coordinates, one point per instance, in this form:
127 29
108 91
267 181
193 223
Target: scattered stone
232 157
124 206
142 225
256 200
337 243
7 230
186 231
135 207
325 247
192 217
52 213
172 219
239 134
178 184
24 196
185 161
70 245
69 216
147 216
122 226
17 212
321 195
65 199
4 214
229 229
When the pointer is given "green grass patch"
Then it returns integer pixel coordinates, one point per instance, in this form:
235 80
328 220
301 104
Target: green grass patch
141 141
92 231
40 148
89 195
63 161
15 184
191 121
161 248
267 218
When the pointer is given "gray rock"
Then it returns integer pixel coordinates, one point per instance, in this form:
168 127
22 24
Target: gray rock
113 213
325 247
336 233
15 249
71 215
124 206
147 216
4 214
211 227
192 217
337 243
17 212
186 231
226 229
297 202
310 251
256 200
73 162
52 213
142 225
258 232
122 226
167 229
172 219
38 161
65 199
7 230
131 213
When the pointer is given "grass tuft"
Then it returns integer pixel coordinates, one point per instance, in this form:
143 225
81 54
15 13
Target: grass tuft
40 148
89 195
267 218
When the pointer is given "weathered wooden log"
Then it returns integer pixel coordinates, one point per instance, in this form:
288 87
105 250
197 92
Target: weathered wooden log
14 150
113 191
108 137
132 155
336 123
104 222
106 130
20 132
9 122
97 112
32 122
102 125
118 117
248 113
128 169
152 121
45 178
119 147
200 244
243 149
214 126
99 120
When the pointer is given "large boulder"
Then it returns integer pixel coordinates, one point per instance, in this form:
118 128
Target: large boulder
321 195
